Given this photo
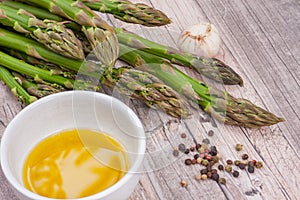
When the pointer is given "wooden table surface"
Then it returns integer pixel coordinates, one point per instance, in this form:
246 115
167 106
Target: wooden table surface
261 41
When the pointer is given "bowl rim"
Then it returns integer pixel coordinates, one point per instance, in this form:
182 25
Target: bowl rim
131 172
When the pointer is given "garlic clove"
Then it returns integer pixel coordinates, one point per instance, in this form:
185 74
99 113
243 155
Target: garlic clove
201 39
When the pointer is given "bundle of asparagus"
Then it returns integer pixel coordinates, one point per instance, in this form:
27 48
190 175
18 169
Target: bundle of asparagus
153 80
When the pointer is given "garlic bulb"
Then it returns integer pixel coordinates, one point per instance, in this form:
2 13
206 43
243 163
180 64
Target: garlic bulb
202 40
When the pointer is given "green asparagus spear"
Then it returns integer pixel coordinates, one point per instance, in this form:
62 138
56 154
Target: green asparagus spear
37 90
209 67
37 73
101 36
218 104
130 12
15 87
54 35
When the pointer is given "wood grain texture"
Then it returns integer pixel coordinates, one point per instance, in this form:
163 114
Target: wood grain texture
260 40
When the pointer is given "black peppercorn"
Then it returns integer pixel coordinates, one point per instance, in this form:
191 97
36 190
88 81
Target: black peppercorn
203 171
221 167
187 151
250 169
192 149
188 161
210 133
196 156
215 177
181 147
235 173
242 166
245 156
198 146
214 171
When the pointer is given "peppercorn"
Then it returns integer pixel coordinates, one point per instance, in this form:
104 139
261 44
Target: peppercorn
254 162
235 173
199 160
209 174
204 146
181 147
242 166
203 171
183 135
196 156
198 177
206 151
175 152
222 181
250 163
210 133
203 176
215 159
208 167
183 183
205 162
245 156
239 147
237 162
198 146
201 150
258 164
229 162
188 161
214 171
187 151
208 157
194 161
213 152
221 167
213 148
228 168
192 149
206 141
250 169
215 177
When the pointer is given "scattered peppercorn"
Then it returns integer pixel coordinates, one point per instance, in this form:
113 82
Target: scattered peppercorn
198 146
214 171
250 169
205 162
175 152
242 166
196 156
198 177
237 162
215 159
187 151
211 133
245 156
208 157
206 141
222 181
202 155
194 161
203 171
221 167
235 173
215 177
203 176
188 161
183 135
228 168
181 147
183 183
201 150
229 162
239 147
204 146
209 174
192 149
199 160
250 163
258 164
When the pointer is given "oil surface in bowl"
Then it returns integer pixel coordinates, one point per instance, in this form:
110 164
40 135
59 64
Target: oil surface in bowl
74 163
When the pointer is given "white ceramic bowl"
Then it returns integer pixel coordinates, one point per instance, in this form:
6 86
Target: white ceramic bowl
67 110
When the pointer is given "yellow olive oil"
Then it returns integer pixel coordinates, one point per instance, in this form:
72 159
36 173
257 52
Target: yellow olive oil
74 163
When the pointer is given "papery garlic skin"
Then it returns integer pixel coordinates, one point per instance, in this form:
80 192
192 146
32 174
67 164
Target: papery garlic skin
202 40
